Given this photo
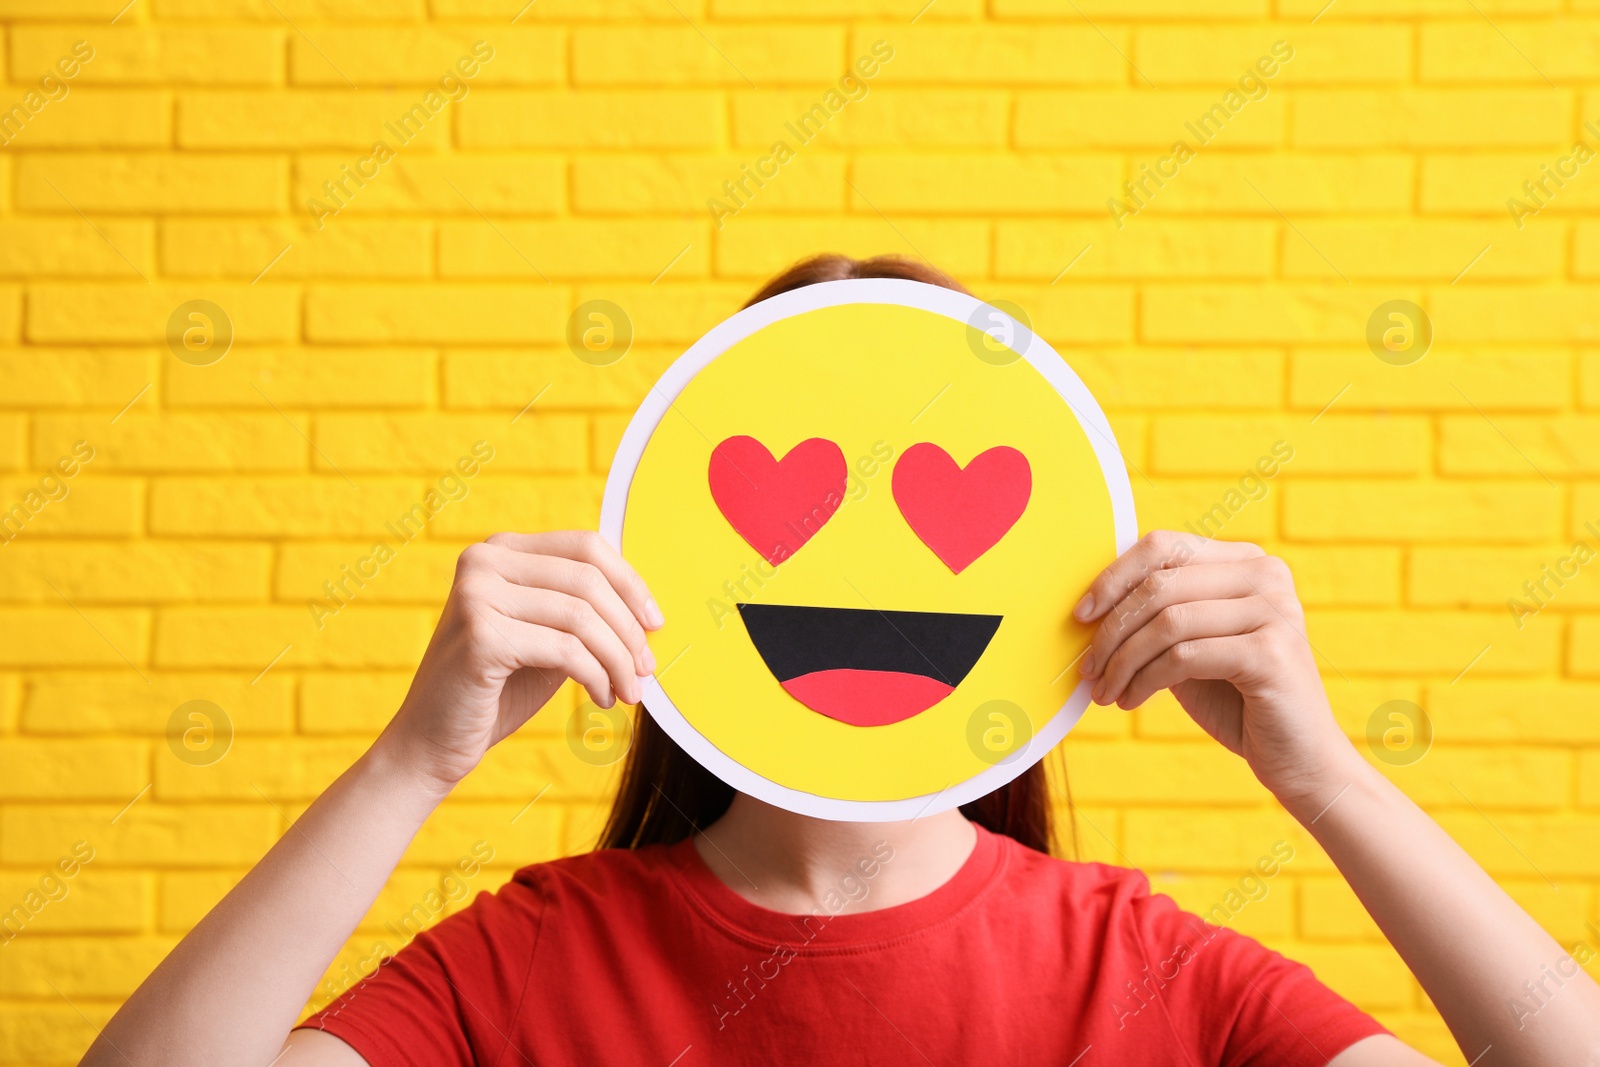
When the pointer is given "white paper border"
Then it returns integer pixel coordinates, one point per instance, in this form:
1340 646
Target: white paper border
940 301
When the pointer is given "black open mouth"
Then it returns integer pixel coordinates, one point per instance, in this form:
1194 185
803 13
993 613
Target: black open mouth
867 667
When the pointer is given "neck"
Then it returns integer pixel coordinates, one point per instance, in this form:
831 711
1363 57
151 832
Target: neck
788 863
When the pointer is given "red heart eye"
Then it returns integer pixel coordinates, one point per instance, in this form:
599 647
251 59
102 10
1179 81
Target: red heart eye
960 513
777 505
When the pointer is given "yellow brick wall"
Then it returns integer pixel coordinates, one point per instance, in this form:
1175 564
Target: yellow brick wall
1227 313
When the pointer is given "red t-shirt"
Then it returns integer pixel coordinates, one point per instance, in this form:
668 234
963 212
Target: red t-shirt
646 957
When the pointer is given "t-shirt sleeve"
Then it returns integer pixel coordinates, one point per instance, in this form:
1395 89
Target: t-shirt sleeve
448 998
1238 1002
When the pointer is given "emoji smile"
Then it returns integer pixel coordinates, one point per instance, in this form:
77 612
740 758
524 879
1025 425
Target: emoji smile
865 667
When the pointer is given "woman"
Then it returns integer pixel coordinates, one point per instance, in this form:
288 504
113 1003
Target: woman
717 929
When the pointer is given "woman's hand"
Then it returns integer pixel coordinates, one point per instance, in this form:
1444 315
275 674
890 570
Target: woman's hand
1219 624
526 612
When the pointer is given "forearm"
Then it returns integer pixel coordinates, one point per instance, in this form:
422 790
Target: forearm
1467 942
232 989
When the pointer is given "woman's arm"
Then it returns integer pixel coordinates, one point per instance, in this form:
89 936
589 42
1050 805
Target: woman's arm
1220 625
526 612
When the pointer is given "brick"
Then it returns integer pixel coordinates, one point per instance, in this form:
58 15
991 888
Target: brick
1369 976
690 55
1404 8
1225 841
1449 644
257 249
1518 444
1010 185
280 769
1222 55
101 902
437 313
1477 511
145 833
1521 51
1430 118
572 248
991 53
1268 909
103 118
1500 378
1583 650
604 437
1585 249
120 572
1278 313
1128 9
93 507
1299 182
13 442
427 55
508 378
1344 576
573 10
1154 120
176 442
1334 444
1517 314
1159 378
757 248
1526 710
148 182
1153 248
1330 911
435 444
838 9
687 184
928 117
33 248
156 55
1526 845
79 769
501 502
309 119
276 11
87 702
1211 507
103 377
305 377
68 311
278 506
412 184
1420 250
59 636
80 966
668 313
26 11
418 573
1105 773
455 825
569 120
1489 577
1082 313
249 638
348 702
1483 183
1516 778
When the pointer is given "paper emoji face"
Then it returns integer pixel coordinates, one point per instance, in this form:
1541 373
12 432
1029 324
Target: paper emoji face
867 534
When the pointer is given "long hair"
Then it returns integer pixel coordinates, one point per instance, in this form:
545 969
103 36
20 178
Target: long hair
665 796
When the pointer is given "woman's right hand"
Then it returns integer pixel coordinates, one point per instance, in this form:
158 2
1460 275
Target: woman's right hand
525 613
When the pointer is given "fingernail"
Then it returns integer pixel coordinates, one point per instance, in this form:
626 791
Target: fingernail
1088 665
1094 694
652 615
649 660
1085 606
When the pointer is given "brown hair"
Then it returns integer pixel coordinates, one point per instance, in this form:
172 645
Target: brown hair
665 795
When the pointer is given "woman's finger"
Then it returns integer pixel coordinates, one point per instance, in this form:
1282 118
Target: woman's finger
1209 658
575 578
575 616
1155 551
1260 576
589 547
526 644
1175 625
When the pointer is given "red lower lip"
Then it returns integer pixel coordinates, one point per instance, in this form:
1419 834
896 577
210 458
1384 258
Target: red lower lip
866 698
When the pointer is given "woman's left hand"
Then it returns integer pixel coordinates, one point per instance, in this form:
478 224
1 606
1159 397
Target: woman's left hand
1219 624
